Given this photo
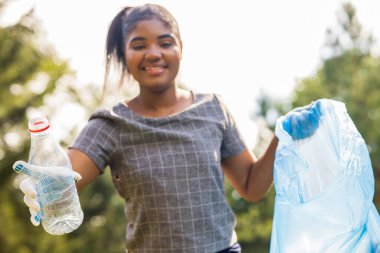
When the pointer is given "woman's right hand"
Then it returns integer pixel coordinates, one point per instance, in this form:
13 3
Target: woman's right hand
30 199
27 187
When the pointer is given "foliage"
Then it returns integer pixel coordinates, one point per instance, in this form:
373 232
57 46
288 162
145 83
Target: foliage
27 75
351 75
254 220
34 79
348 73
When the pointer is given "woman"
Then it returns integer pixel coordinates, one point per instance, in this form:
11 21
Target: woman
168 148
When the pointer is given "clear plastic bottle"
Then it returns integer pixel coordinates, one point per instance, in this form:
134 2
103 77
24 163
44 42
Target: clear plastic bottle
61 212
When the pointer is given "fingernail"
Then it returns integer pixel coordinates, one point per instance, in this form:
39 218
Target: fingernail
20 168
38 217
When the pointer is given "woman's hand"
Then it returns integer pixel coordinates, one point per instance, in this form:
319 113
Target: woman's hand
302 122
30 199
27 187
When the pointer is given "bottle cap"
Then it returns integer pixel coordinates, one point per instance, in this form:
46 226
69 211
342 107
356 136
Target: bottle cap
38 125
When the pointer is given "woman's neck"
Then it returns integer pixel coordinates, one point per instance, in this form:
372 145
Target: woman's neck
160 104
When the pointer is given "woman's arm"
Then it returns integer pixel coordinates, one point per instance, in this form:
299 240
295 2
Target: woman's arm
251 177
82 164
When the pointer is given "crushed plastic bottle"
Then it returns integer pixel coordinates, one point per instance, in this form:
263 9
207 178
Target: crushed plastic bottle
324 185
52 176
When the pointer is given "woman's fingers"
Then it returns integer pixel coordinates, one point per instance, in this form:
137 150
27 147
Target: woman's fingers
76 176
28 189
26 186
32 203
35 217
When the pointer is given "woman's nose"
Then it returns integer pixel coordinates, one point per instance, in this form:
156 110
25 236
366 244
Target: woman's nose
153 53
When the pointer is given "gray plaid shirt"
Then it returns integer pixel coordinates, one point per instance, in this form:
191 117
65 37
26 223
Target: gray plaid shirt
168 170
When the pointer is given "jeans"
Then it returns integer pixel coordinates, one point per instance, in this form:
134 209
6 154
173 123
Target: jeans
233 249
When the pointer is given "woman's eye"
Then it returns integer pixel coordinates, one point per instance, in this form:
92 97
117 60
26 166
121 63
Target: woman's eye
138 47
166 44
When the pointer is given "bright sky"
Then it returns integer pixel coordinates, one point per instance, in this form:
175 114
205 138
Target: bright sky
231 47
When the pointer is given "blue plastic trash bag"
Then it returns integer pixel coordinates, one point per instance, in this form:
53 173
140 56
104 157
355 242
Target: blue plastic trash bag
324 184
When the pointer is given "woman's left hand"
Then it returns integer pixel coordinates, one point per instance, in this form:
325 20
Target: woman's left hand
302 122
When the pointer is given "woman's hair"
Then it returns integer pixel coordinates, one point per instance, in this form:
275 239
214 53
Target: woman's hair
122 25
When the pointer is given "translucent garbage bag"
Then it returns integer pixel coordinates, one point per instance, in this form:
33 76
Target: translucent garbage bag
324 186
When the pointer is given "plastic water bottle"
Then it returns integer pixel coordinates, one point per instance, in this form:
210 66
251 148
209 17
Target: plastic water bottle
61 212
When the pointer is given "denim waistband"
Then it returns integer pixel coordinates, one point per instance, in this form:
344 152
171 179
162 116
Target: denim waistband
233 249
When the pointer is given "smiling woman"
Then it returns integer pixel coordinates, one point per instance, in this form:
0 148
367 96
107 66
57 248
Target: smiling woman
128 38
153 55
168 149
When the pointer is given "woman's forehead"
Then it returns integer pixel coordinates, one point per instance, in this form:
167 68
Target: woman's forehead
151 28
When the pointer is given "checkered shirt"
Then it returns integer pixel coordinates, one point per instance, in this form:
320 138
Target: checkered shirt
168 170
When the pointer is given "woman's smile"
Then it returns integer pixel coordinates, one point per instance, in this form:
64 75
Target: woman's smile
154 70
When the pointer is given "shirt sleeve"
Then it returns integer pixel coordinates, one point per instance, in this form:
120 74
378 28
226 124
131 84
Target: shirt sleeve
98 140
233 142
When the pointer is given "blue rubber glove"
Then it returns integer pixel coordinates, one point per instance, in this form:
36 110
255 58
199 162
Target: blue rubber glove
302 122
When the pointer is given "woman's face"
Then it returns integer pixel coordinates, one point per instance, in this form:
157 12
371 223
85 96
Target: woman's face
153 55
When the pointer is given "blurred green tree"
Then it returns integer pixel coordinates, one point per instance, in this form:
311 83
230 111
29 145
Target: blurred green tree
254 220
348 73
351 74
27 75
33 78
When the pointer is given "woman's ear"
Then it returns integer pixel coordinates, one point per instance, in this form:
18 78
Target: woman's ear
181 50
126 69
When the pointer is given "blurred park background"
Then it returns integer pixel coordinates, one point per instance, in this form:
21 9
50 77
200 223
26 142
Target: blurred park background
35 79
